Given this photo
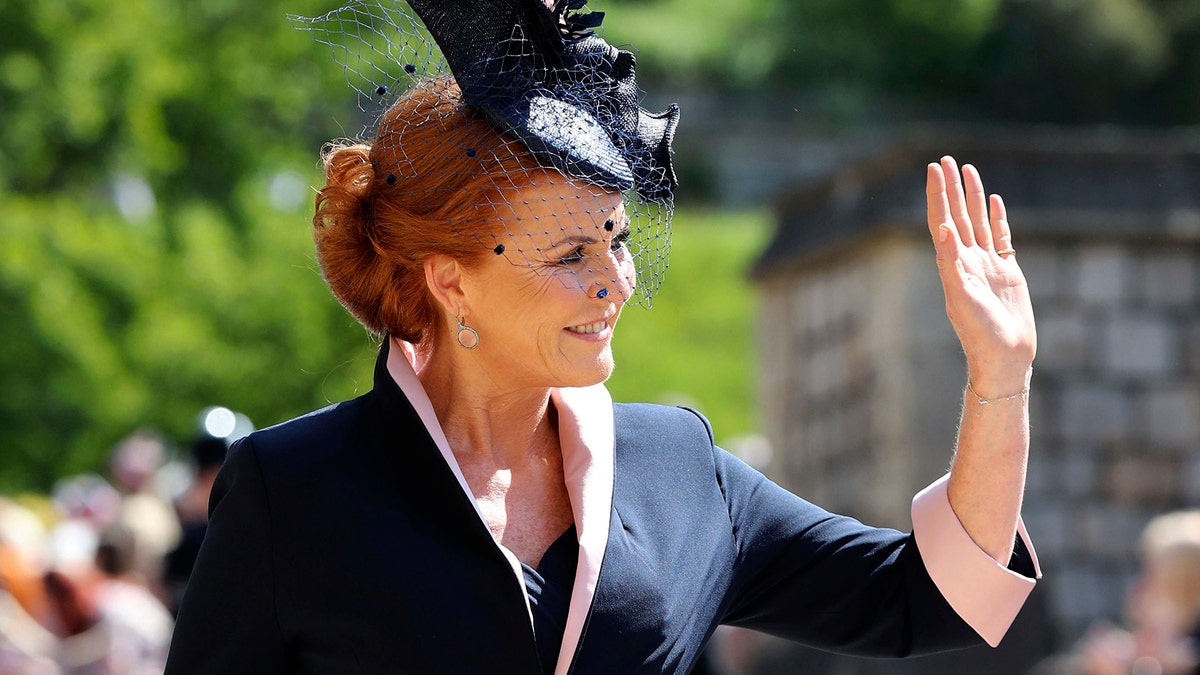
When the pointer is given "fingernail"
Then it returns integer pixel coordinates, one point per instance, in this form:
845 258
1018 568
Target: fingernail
943 234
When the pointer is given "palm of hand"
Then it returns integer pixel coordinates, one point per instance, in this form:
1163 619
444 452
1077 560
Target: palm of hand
987 298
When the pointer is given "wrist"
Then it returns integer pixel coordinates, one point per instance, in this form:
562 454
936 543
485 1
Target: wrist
1002 384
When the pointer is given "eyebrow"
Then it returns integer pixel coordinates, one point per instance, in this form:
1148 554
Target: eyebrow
583 240
576 240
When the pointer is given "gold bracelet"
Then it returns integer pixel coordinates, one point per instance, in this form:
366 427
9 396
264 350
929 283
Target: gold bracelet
1023 395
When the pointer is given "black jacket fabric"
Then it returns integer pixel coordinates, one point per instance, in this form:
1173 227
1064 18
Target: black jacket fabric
340 542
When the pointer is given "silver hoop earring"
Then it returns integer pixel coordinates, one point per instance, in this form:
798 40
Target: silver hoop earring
472 340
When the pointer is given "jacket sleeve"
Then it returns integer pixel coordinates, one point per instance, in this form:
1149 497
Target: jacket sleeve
827 580
228 622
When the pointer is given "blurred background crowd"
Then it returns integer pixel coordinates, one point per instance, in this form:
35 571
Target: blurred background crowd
92 574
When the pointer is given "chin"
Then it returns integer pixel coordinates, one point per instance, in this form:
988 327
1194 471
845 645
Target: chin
594 372
605 365
605 371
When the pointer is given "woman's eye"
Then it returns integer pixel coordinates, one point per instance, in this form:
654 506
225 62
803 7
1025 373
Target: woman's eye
573 257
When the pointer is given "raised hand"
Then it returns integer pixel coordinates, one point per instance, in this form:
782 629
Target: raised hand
987 298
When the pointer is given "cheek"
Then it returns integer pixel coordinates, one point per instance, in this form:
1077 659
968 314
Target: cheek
541 308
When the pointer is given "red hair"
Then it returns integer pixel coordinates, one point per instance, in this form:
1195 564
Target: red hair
413 193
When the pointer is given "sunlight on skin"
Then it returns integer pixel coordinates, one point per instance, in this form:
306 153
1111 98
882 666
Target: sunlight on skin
987 301
537 309
543 322
547 306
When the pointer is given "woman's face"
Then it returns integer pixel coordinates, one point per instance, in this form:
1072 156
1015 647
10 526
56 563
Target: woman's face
546 306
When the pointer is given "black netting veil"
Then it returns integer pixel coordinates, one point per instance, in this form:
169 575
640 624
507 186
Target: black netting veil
594 199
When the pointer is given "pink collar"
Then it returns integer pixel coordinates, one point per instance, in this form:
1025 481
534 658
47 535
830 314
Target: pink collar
585 429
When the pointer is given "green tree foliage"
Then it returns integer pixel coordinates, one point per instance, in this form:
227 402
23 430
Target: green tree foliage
109 327
1074 61
1124 61
783 43
191 96
696 345
155 159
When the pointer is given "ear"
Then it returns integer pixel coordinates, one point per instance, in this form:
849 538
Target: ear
444 276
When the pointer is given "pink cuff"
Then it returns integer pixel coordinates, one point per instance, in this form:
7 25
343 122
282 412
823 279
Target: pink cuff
985 593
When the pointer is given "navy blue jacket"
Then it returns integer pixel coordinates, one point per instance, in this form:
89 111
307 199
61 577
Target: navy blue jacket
340 542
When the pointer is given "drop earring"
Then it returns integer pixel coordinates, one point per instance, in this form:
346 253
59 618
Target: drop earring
466 337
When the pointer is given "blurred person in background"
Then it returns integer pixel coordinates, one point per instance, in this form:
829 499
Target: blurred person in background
27 647
1163 610
88 499
486 507
106 619
145 514
139 625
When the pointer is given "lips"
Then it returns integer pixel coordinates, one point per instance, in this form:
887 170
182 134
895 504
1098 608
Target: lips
589 328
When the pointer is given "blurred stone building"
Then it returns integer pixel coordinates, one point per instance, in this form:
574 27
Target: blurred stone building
862 374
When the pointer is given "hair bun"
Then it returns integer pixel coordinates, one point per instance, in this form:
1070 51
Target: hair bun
346 251
348 170
382 213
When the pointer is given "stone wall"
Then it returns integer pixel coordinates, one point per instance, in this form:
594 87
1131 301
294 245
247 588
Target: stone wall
1115 411
862 381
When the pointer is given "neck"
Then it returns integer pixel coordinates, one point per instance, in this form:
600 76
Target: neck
485 419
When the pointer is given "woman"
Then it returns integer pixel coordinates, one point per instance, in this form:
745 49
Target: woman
486 507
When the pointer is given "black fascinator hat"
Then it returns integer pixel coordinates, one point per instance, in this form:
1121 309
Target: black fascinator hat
543 75
540 74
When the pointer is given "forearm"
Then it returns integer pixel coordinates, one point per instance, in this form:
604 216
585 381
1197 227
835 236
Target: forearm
987 302
987 478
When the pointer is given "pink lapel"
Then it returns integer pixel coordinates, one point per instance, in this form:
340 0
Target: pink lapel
585 429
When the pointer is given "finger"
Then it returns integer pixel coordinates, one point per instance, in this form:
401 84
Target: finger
958 201
1000 231
949 251
977 206
937 209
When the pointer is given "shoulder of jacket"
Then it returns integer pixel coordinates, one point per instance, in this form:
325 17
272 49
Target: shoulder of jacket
662 419
309 434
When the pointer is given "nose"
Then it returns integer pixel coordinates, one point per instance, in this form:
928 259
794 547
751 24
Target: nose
613 277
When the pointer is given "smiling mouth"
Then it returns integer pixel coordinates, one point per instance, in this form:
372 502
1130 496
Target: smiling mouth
589 328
